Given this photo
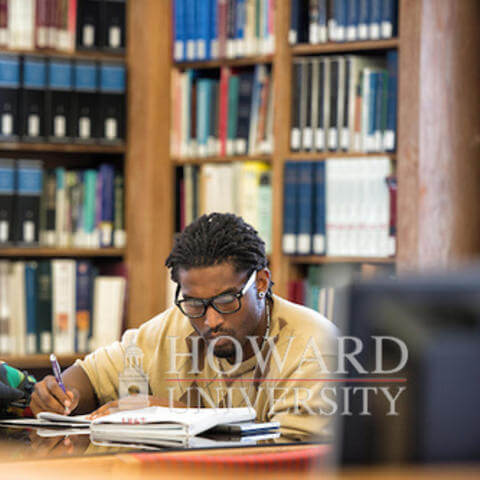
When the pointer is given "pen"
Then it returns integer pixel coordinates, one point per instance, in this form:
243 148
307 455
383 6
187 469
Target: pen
56 371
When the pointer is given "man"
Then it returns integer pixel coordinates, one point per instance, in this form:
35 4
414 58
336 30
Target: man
228 341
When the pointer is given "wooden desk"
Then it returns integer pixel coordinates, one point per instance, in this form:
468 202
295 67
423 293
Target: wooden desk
129 467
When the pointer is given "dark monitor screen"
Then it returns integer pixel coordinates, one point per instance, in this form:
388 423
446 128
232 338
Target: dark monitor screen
438 414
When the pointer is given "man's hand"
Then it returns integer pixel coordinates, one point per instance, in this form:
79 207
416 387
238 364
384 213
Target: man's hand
112 407
49 397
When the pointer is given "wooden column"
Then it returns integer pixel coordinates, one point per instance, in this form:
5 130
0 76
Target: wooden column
282 74
439 133
149 176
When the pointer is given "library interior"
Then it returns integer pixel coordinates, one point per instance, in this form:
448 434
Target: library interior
239 238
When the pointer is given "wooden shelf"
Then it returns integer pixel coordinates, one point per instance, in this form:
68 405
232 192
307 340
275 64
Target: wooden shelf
61 148
299 156
77 55
32 252
344 47
226 159
226 62
40 361
318 260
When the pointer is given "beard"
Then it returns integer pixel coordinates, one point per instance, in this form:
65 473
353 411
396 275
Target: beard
226 347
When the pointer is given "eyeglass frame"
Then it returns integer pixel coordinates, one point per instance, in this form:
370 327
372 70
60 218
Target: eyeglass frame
209 301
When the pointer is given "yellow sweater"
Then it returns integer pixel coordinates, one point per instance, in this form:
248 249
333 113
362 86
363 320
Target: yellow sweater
285 387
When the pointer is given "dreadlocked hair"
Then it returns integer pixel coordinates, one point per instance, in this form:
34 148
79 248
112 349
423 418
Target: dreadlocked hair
216 238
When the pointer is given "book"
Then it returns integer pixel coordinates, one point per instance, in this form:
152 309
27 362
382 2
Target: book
27 202
9 97
44 306
164 422
108 310
63 305
7 194
31 307
5 322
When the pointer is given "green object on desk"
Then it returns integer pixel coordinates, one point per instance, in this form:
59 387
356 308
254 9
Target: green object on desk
16 387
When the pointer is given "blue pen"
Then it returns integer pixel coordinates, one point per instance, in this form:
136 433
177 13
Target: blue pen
56 371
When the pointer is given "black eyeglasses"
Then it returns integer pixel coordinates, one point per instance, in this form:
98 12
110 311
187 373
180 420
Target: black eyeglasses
223 303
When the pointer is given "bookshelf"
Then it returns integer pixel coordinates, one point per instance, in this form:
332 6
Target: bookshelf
437 168
76 55
415 159
24 147
41 252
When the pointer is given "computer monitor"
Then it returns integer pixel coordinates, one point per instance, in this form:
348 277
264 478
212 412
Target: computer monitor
438 319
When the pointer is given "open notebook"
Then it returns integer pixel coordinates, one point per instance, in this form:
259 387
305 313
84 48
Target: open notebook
164 422
151 422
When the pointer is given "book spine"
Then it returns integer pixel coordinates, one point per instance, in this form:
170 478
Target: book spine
83 305
232 113
389 140
107 197
119 234
240 21
295 133
318 245
50 187
363 19
223 113
4 27
89 201
63 305
307 131
294 19
375 19
388 18
30 308
179 25
7 195
231 30
213 29
346 108
29 191
289 244
352 20
5 310
305 207
244 112
265 210
41 24
333 119
202 116
44 306
222 13
9 97
203 26
190 27
262 114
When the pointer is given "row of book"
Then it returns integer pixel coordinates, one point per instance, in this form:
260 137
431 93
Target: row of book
62 305
345 103
211 29
339 207
60 100
60 208
320 21
243 188
62 24
226 113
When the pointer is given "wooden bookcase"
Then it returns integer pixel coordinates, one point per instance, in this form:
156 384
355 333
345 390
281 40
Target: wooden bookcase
69 155
437 156
430 35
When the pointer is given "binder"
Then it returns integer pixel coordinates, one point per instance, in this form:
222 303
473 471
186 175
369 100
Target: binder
85 98
60 121
290 218
88 24
7 193
9 97
112 102
27 203
113 25
32 109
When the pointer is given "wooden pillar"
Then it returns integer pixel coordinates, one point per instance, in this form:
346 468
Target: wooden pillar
282 74
439 133
149 177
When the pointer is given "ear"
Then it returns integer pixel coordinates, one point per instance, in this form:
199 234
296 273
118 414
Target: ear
263 280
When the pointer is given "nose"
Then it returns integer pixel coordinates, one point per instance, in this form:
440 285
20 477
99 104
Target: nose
212 318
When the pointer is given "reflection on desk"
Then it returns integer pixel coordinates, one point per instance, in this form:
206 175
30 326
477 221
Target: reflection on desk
21 443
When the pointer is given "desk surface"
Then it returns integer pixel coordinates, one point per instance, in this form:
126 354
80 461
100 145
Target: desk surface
23 456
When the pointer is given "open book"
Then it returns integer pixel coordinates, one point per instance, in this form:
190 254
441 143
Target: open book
164 422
